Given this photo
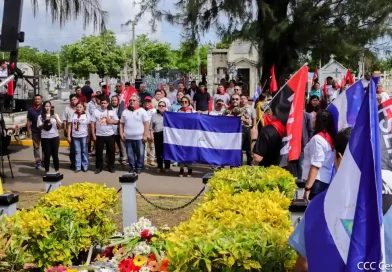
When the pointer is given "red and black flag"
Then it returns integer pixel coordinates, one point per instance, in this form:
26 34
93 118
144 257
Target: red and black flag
315 77
288 104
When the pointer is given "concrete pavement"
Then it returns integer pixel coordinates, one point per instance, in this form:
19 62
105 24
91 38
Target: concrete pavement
27 178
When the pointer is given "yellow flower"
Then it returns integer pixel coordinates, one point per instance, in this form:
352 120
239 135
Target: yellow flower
72 270
139 260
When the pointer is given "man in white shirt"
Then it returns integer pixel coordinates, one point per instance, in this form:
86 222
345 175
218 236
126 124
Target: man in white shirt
134 130
333 91
102 128
366 79
172 96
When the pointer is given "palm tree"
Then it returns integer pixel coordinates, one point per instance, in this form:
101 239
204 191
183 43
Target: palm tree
66 10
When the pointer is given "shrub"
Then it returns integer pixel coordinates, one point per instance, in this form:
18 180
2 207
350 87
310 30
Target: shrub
50 235
94 206
243 224
252 179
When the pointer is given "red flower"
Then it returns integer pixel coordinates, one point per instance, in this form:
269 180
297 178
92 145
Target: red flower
145 234
127 265
108 253
165 265
152 257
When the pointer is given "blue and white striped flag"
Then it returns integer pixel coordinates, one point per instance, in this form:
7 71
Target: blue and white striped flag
343 225
346 106
198 138
257 94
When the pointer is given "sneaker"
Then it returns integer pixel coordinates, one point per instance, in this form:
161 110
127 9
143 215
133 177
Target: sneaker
77 170
112 170
189 173
159 170
175 163
85 170
181 172
37 166
97 171
138 171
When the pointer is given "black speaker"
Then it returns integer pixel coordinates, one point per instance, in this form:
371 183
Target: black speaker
10 32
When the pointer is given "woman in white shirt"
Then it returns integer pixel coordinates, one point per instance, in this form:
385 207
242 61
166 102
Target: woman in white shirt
78 126
49 123
318 156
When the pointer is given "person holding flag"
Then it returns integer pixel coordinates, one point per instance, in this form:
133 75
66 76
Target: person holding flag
342 226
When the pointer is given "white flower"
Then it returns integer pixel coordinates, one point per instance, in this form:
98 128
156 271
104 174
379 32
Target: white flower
106 270
141 249
144 269
114 261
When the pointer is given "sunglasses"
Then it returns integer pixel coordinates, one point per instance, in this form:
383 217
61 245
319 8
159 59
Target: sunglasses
184 101
118 86
161 106
235 99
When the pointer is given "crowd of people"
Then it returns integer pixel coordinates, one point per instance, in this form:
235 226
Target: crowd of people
94 122
135 134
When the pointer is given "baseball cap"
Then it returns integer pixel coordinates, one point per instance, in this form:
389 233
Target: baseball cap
147 98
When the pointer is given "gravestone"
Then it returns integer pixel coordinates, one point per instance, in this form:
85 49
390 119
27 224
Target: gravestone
95 80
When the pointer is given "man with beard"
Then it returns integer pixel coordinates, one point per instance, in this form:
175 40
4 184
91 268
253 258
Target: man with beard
33 130
102 127
134 130
67 114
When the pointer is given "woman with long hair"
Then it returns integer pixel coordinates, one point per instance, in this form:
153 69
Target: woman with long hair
49 123
313 105
156 126
78 126
318 156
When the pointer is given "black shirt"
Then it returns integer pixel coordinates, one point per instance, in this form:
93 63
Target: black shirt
268 146
87 92
202 101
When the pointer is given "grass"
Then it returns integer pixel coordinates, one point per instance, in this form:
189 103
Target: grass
158 217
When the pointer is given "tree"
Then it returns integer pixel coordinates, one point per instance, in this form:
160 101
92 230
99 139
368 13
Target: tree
66 10
283 30
94 54
45 61
187 61
151 53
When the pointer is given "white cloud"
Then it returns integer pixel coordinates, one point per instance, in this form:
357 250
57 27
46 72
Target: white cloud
41 33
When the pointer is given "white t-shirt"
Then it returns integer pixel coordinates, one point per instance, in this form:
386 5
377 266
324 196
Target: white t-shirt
134 123
172 96
225 97
115 127
217 113
332 94
150 113
53 132
102 128
318 153
79 125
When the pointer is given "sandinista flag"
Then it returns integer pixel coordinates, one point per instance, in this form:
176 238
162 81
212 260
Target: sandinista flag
289 104
128 93
315 77
349 77
273 84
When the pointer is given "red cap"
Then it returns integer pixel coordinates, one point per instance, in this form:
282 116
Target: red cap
147 98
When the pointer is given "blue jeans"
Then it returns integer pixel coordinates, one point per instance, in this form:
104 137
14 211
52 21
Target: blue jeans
81 153
317 188
135 152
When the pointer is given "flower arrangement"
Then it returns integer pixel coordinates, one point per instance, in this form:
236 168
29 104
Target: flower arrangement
140 248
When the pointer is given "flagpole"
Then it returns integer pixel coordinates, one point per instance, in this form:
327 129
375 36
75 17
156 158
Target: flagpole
268 106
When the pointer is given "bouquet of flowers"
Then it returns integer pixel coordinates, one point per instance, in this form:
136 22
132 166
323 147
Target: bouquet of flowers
140 248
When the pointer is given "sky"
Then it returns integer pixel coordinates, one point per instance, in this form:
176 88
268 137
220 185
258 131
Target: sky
41 33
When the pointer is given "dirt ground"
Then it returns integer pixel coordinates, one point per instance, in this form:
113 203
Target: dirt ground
158 217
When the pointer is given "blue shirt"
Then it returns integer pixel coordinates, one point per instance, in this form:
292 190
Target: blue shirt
32 116
297 238
177 106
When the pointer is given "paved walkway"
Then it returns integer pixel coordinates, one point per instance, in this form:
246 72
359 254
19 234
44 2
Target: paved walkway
27 178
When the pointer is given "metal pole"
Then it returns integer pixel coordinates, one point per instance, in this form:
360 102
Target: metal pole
5 81
134 52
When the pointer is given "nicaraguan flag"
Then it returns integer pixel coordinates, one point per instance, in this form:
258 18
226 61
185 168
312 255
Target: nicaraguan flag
257 94
198 138
346 106
343 225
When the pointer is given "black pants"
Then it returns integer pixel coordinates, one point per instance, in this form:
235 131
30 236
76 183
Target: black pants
110 152
51 148
158 141
246 144
317 188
